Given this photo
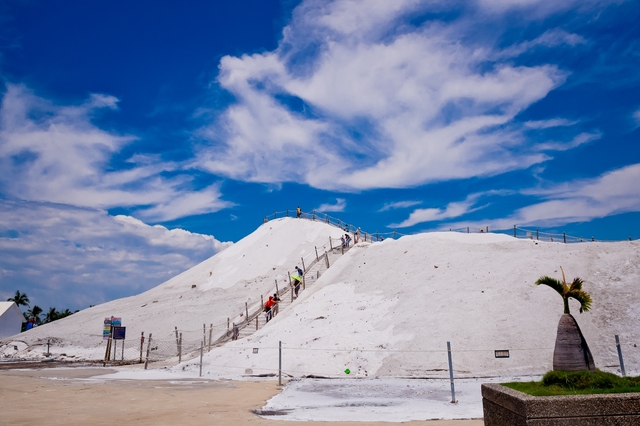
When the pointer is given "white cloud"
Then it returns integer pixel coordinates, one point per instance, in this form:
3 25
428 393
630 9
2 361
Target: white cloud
421 102
452 210
339 206
612 193
74 257
54 153
399 205
580 139
552 38
636 117
538 9
547 124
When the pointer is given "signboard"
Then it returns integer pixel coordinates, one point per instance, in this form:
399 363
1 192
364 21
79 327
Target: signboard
503 353
108 323
106 329
119 332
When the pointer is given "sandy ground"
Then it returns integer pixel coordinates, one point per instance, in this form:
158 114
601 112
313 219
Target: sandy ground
78 396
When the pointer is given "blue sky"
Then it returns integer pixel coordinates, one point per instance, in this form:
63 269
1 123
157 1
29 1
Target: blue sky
136 138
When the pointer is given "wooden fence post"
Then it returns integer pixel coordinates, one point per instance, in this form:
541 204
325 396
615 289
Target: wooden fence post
210 335
204 333
146 362
257 318
180 349
317 259
176 335
141 345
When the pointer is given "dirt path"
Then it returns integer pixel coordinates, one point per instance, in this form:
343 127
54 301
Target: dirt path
77 396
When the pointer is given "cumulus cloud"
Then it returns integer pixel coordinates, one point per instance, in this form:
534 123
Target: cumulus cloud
72 257
358 97
55 153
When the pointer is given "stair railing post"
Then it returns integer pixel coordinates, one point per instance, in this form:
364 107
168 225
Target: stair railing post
246 308
316 248
280 363
304 268
326 258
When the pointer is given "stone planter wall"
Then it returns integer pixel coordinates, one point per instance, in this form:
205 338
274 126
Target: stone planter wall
507 407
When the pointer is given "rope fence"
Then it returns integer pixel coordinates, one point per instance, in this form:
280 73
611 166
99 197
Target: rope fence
304 361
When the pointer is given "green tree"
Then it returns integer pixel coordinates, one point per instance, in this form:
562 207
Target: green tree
35 313
65 313
52 315
20 299
571 352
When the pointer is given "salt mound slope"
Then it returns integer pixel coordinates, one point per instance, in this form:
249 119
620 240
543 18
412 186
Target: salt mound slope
389 308
208 293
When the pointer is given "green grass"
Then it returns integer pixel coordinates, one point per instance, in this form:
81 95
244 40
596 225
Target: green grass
577 383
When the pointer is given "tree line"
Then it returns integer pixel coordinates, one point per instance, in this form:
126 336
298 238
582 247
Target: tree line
36 312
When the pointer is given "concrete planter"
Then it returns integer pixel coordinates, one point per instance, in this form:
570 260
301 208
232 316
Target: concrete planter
507 407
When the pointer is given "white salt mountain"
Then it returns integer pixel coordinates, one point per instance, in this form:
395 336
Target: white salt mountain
385 308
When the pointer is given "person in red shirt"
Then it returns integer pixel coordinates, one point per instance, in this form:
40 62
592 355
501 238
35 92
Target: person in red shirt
267 307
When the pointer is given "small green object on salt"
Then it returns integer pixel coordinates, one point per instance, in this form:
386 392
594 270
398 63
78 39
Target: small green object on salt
347 371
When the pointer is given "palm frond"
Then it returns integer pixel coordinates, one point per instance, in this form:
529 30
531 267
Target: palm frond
551 282
583 297
576 284
564 282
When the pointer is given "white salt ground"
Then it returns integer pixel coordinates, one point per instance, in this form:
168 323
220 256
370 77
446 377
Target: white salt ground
382 400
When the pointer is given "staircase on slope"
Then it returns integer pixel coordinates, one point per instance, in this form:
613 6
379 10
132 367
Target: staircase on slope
257 318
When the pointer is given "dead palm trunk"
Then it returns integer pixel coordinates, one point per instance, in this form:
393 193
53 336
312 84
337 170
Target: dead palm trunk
571 352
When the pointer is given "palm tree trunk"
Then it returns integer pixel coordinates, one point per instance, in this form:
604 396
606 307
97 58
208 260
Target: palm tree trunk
571 352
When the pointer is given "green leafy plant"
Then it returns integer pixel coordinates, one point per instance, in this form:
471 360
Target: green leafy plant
577 382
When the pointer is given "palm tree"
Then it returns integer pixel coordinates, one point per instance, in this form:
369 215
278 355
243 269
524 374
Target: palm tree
571 352
20 299
52 315
35 313
65 313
